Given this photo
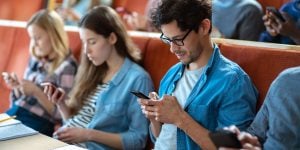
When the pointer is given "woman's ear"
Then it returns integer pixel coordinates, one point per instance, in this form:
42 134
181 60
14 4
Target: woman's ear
112 38
205 26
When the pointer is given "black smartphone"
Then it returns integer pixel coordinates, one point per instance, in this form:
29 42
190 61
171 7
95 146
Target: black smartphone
139 94
275 12
225 138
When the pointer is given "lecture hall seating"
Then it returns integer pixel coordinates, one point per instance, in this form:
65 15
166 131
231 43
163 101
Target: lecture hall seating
262 61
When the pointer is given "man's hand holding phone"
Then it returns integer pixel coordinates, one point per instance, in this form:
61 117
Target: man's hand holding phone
275 12
273 20
144 102
54 93
234 139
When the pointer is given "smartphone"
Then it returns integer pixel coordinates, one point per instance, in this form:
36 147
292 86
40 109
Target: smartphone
275 12
225 138
139 94
54 87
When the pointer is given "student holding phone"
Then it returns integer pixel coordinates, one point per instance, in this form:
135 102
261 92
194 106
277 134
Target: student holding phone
50 60
283 25
276 125
238 19
100 111
204 91
137 21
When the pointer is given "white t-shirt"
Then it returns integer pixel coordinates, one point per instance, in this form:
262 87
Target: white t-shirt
167 137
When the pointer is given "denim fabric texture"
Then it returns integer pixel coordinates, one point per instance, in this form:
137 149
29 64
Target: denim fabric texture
117 110
224 95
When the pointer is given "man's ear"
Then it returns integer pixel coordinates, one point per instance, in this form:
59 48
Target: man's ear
112 39
205 26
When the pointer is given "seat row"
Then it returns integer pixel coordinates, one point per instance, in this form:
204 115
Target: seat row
262 61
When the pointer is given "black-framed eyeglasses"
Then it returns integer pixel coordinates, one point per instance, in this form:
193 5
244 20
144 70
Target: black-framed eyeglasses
178 42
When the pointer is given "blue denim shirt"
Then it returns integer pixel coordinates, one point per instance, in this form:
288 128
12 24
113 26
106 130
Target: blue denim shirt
224 95
277 122
117 110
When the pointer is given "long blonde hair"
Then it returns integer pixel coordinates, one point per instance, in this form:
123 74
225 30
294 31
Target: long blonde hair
53 24
102 20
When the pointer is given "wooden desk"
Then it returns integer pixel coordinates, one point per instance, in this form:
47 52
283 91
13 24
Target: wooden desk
34 142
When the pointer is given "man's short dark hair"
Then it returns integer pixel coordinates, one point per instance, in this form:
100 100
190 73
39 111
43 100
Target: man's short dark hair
188 13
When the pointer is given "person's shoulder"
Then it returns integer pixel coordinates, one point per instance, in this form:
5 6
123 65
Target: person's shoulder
252 6
287 79
68 65
70 60
290 74
137 71
228 66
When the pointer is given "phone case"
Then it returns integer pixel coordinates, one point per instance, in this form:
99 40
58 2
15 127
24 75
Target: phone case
224 138
139 94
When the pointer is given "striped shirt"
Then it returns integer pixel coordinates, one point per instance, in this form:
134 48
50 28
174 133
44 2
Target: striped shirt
86 113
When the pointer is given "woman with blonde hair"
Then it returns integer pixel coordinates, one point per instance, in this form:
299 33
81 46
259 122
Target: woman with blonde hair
101 112
50 61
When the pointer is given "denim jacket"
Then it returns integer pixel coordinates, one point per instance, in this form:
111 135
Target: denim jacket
117 110
277 123
224 95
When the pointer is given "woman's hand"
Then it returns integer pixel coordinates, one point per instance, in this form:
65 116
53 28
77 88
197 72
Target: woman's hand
11 80
55 95
72 135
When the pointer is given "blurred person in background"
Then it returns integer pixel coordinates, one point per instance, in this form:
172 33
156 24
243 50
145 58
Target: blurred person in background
72 10
286 31
237 19
140 22
50 60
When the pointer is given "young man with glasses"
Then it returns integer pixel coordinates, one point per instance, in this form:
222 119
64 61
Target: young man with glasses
204 91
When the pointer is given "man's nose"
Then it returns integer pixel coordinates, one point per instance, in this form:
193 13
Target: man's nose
174 47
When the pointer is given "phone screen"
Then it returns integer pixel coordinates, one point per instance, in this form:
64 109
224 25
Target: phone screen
224 138
139 94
